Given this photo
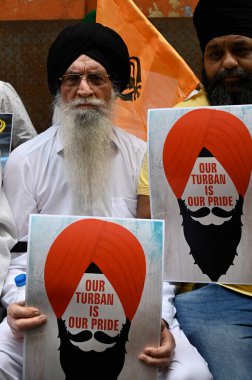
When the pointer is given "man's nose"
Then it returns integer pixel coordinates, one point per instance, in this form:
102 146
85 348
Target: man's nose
229 61
84 88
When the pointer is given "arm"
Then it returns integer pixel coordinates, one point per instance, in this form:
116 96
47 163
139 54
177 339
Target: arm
18 188
143 207
18 185
143 198
157 356
162 355
23 129
8 235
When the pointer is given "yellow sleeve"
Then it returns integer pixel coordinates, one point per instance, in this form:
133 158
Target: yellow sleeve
244 289
185 287
143 182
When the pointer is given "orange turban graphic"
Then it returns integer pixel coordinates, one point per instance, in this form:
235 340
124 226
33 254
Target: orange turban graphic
111 247
224 135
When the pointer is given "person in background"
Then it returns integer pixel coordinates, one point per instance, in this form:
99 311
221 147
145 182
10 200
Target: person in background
23 130
10 102
83 165
8 238
218 319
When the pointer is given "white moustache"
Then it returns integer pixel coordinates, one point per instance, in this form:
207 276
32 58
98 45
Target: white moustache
89 101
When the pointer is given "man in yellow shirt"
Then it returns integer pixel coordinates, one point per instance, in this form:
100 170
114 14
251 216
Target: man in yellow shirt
218 319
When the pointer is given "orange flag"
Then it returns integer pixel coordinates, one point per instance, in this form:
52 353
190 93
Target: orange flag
160 78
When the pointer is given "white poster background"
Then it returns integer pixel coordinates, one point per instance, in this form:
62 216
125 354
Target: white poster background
178 263
41 355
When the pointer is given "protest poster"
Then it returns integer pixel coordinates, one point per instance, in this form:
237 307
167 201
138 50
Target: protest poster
5 136
200 162
99 281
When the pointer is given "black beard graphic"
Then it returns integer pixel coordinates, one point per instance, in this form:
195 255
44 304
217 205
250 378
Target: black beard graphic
213 247
220 93
92 365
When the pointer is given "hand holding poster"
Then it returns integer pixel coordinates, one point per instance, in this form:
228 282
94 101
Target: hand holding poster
200 174
97 279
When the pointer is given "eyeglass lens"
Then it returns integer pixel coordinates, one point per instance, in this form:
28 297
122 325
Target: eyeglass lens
96 79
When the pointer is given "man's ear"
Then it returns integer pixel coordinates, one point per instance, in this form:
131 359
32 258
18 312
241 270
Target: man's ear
115 86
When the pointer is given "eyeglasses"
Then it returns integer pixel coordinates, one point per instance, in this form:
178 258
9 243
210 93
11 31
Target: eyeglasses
93 79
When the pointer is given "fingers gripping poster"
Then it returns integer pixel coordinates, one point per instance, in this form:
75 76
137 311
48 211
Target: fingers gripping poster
200 163
99 281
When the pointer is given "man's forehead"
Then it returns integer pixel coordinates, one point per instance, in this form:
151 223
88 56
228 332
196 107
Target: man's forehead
228 40
84 62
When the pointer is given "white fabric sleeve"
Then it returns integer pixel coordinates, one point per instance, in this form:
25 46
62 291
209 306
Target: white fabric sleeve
168 309
8 234
18 185
10 102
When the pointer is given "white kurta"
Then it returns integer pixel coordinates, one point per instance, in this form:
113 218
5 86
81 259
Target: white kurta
35 183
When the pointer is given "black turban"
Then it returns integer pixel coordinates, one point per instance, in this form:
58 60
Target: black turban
96 41
216 18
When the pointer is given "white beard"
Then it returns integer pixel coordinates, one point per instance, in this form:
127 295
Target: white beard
88 148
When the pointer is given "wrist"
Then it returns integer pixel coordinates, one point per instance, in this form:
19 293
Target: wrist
166 324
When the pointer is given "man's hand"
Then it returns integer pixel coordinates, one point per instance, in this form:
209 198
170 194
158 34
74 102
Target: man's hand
160 356
21 318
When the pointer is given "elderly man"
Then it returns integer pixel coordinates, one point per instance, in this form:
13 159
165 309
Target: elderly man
83 165
218 319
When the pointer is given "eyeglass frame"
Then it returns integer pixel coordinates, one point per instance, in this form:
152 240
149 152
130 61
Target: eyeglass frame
90 83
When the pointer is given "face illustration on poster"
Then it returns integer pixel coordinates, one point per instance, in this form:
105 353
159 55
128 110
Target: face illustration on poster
94 278
211 210
93 329
207 162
